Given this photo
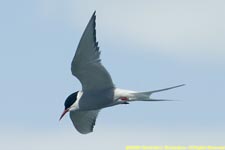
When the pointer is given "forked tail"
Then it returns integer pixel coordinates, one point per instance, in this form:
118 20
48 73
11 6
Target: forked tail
145 96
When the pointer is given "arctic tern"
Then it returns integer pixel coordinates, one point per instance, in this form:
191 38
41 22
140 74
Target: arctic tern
98 90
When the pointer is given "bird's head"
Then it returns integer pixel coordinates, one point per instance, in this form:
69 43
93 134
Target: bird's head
69 104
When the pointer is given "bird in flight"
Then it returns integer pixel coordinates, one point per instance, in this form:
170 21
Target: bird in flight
98 90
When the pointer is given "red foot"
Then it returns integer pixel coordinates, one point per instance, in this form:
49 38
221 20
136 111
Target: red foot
124 98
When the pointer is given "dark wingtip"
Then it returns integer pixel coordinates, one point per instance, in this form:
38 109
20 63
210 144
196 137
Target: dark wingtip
94 14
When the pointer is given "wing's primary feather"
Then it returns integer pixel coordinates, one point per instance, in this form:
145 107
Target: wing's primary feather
86 64
84 121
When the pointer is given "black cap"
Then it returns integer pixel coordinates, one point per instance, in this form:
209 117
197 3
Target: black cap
70 100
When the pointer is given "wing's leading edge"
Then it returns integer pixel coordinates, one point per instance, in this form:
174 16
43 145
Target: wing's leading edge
86 64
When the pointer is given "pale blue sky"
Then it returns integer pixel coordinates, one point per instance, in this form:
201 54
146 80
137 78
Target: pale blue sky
145 45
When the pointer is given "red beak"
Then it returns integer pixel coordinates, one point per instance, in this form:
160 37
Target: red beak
64 112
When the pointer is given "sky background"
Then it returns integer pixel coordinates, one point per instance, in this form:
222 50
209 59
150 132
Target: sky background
145 44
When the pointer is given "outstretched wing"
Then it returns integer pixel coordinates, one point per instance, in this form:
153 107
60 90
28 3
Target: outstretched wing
86 64
84 121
